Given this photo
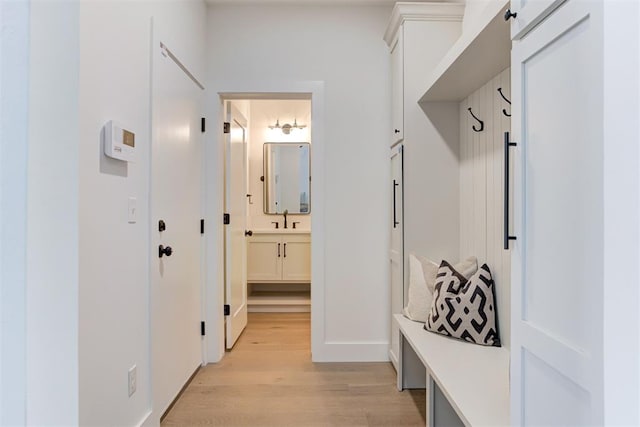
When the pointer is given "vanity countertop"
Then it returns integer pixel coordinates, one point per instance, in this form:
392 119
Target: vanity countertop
281 231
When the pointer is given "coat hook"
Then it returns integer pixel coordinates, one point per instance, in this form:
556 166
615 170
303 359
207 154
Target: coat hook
481 122
504 111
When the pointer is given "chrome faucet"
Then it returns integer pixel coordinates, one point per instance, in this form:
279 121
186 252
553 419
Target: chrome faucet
285 213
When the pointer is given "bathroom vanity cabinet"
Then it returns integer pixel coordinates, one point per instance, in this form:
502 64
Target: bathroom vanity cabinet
279 258
279 270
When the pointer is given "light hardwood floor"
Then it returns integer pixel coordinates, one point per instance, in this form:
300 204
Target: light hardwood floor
268 379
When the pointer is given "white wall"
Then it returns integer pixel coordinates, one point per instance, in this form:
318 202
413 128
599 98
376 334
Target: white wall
14 97
473 9
431 148
482 189
87 282
342 47
52 218
114 255
263 114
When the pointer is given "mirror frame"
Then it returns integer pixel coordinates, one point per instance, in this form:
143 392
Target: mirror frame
265 179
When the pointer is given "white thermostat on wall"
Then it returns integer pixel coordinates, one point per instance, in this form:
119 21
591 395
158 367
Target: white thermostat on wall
119 143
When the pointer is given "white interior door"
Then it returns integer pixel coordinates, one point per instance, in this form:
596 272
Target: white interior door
557 259
175 199
235 239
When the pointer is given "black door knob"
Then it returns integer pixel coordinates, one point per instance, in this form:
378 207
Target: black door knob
164 251
508 14
396 131
248 233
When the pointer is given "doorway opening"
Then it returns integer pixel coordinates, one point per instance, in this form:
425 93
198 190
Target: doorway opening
268 209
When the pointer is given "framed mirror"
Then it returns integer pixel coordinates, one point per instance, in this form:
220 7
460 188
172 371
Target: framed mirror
287 178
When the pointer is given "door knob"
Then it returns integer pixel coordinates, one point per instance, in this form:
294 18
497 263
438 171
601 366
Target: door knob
508 14
396 131
164 251
248 233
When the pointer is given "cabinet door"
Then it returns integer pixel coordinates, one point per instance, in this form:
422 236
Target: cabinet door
296 258
557 259
529 14
396 253
397 90
264 258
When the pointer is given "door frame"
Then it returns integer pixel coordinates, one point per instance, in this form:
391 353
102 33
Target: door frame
213 282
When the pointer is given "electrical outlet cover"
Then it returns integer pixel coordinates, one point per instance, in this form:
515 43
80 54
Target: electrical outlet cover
133 380
132 210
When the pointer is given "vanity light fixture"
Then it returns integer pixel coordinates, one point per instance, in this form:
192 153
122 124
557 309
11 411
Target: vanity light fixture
286 128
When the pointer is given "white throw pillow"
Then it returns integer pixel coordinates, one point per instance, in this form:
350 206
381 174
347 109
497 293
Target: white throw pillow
420 294
422 281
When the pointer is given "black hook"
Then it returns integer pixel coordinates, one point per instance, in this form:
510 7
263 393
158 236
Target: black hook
481 122
504 111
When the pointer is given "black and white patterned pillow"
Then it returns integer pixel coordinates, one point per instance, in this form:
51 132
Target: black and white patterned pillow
464 309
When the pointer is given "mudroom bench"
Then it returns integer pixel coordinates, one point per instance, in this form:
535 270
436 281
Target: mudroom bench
467 384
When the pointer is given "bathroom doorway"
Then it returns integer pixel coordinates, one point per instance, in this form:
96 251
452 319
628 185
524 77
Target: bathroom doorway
268 199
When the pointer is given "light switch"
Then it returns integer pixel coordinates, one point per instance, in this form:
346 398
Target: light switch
132 210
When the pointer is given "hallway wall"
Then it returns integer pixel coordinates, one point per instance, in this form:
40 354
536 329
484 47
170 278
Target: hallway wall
342 47
52 204
115 84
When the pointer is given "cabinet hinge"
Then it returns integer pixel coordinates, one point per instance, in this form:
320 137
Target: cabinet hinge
227 309
202 226
227 127
226 219
202 124
202 329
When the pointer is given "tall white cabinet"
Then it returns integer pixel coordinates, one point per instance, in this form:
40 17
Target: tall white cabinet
557 353
397 89
418 36
527 14
567 363
396 252
574 220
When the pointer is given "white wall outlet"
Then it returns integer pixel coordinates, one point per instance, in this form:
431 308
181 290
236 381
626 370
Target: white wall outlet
133 380
132 210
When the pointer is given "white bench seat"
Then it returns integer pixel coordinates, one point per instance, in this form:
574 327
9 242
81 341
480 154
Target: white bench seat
473 378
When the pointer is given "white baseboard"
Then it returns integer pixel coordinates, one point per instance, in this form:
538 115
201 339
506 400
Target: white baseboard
147 421
351 352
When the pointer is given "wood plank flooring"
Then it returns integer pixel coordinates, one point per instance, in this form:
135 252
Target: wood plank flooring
268 379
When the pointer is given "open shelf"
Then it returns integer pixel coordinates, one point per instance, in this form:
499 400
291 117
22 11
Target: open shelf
479 55
279 301
279 298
